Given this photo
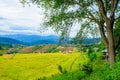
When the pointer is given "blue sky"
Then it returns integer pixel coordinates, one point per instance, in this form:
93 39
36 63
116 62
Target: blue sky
16 19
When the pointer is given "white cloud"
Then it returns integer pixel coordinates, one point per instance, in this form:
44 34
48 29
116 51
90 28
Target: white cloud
14 16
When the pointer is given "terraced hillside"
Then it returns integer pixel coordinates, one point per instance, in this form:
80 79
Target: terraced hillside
35 66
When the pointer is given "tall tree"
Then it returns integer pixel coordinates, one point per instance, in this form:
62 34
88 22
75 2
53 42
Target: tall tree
61 15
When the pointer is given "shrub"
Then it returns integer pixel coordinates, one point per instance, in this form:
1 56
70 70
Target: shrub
92 56
114 74
87 68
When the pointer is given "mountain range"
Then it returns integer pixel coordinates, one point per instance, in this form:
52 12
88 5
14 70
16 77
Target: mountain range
37 39
29 39
5 40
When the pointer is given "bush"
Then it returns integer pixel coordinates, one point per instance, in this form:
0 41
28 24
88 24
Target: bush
114 74
92 56
87 68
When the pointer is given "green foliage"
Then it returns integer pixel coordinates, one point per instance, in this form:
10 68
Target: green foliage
61 15
38 47
52 49
101 46
95 70
87 68
105 73
92 56
114 74
118 57
102 71
75 75
80 37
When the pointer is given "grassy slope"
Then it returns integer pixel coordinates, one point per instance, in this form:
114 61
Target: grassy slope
34 66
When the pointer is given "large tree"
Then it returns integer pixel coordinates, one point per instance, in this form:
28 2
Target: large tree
61 15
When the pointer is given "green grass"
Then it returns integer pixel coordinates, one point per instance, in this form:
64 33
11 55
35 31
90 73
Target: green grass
36 66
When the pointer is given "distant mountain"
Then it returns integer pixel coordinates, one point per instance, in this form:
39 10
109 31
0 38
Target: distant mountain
23 38
5 40
87 41
91 40
46 41
37 39
34 39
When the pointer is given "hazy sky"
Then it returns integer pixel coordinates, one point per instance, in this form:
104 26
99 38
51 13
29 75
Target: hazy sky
16 19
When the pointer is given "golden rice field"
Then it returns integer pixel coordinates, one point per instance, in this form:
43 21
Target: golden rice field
34 66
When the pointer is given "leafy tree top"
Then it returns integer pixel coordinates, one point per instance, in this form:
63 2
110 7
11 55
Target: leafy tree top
89 15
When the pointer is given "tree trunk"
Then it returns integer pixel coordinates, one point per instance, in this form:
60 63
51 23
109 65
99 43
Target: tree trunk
111 45
111 51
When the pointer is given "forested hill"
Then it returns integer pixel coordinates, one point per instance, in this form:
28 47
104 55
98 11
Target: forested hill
5 40
34 39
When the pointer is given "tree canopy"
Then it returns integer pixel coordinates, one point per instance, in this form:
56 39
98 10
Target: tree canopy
62 16
91 15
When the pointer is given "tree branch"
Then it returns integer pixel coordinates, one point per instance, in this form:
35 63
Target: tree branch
106 2
102 9
77 3
114 4
102 32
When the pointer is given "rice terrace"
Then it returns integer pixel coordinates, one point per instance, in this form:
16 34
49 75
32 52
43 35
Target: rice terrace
37 66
